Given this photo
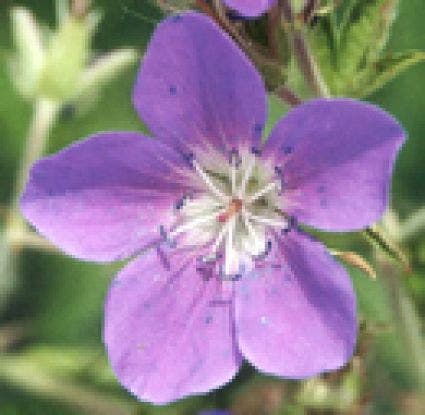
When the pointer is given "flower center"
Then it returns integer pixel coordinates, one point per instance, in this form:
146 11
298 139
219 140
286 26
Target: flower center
233 213
235 207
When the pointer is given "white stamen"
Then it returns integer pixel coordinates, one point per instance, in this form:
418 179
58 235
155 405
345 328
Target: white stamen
262 192
230 253
246 177
188 226
267 221
248 224
209 182
233 177
220 237
255 239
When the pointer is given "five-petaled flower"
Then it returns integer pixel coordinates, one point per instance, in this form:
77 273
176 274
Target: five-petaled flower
250 8
224 270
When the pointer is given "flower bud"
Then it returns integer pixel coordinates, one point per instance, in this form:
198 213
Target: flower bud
65 59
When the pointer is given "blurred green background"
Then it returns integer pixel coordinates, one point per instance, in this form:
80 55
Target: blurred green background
51 355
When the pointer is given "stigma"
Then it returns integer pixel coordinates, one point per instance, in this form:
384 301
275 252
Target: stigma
233 209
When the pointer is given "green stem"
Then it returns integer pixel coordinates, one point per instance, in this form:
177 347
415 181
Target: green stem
302 52
30 377
44 117
376 235
406 318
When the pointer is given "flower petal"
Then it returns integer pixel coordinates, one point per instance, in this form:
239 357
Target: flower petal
166 338
296 317
105 197
337 157
250 8
196 87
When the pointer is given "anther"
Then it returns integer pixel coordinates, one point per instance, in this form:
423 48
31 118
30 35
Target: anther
256 151
230 277
180 203
163 232
292 225
166 237
279 179
235 158
265 253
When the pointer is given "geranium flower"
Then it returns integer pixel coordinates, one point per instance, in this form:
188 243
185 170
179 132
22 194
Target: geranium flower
250 8
222 270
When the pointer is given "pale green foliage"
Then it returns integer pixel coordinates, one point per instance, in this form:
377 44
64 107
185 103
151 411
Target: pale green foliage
349 47
27 62
56 66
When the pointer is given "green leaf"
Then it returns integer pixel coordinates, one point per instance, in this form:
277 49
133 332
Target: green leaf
390 67
348 45
377 236
362 36
365 27
372 300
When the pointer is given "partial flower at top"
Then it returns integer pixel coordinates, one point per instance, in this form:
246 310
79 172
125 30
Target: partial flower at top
222 270
250 8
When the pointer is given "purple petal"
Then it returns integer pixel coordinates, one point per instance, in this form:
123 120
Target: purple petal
250 8
105 197
296 317
166 338
196 87
337 158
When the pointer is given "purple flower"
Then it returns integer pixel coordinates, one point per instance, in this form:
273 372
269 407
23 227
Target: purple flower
224 271
250 8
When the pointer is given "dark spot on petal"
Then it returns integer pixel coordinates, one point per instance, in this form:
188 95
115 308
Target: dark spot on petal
287 277
146 305
173 90
219 303
321 189
258 128
323 203
208 320
274 291
245 291
176 18
287 149
189 158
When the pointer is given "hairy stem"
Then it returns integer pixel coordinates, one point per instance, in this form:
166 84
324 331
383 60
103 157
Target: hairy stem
288 96
302 52
406 317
